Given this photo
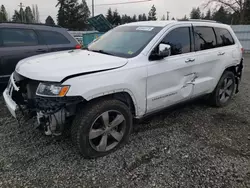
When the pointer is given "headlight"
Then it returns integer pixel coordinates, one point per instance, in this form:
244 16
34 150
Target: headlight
52 90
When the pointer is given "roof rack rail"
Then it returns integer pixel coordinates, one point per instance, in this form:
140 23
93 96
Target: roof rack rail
32 24
202 20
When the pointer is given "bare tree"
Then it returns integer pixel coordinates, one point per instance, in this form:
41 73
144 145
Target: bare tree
35 13
237 6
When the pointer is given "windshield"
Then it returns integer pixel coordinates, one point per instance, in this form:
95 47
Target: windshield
125 41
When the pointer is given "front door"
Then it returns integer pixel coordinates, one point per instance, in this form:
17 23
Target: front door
170 80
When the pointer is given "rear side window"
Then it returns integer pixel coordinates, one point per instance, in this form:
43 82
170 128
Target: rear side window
179 40
204 38
12 37
52 37
224 38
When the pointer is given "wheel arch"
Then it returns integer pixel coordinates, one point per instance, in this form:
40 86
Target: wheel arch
125 96
237 71
232 69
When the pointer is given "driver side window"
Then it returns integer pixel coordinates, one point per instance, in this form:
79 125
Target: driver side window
179 40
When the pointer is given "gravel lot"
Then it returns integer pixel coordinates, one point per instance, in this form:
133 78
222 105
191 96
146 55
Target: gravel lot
193 145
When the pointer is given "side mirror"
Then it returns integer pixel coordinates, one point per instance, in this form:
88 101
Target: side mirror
164 50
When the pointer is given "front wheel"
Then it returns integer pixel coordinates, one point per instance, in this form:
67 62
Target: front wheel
101 128
224 91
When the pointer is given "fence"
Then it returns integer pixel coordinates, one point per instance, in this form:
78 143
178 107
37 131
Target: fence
78 35
243 34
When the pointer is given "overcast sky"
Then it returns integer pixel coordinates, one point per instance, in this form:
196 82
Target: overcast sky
177 8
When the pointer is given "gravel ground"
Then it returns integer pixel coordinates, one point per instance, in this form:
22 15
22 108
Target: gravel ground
192 145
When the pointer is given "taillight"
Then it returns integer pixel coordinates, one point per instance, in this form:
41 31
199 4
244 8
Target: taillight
78 46
242 50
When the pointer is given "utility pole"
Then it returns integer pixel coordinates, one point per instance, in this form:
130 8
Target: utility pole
168 15
21 7
93 8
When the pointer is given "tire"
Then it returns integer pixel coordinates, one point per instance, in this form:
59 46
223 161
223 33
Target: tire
216 98
92 120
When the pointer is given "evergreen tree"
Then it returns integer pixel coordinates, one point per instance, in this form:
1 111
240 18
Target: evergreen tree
202 16
208 15
163 17
123 19
184 18
195 13
62 13
140 17
152 14
83 14
22 15
49 21
129 19
16 17
73 15
247 12
3 14
144 17
173 18
221 16
28 15
109 16
134 19
116 18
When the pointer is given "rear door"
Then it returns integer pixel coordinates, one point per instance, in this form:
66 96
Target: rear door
228 50
17 44
57 41
208 59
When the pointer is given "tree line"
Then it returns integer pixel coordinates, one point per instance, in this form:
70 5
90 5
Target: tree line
232 12
27 15
73 15
116 19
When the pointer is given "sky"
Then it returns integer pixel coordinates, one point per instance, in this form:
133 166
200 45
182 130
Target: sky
177 8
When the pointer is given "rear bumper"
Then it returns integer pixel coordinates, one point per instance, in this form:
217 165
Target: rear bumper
239 71
11 105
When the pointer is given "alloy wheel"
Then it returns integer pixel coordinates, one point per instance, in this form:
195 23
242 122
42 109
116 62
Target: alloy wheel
107 131
226 90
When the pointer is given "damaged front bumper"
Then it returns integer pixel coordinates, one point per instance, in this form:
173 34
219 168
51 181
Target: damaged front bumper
11 105
52 113
7 95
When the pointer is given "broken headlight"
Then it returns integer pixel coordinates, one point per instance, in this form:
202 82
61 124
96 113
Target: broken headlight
52 90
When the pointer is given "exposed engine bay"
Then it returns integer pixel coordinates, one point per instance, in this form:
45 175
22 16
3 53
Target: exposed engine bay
53 114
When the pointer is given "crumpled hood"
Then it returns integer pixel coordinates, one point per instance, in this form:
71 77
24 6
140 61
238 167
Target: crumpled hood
57 66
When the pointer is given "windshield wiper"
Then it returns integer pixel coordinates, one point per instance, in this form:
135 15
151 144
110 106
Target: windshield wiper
101 52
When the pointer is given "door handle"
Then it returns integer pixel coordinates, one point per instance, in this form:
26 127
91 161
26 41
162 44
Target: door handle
221 53
189 60
41 50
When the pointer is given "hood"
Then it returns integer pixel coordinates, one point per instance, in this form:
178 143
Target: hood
57 66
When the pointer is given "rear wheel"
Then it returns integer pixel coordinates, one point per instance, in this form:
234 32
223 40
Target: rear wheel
224 91
101 128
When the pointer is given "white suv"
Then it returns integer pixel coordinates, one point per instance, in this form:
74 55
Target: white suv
131 71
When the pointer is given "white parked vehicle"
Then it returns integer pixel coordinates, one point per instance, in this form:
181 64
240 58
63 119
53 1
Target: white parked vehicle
132 71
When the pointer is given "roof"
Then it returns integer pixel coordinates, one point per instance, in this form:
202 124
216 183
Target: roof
27 25
151 23
165 23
